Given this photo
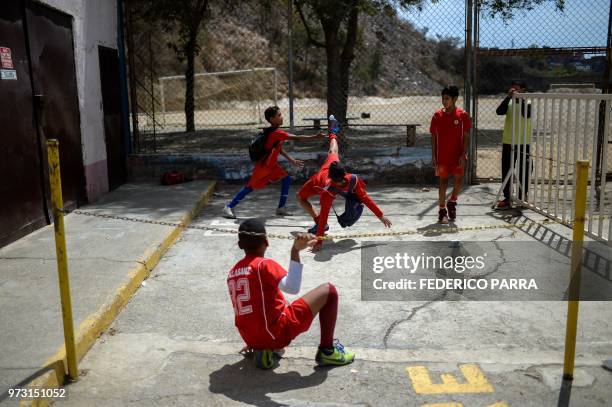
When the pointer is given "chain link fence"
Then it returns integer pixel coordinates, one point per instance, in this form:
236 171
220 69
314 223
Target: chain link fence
400 63
255 54
551 50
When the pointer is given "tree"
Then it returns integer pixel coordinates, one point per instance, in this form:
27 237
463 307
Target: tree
507 8
334 26
338 24
185 18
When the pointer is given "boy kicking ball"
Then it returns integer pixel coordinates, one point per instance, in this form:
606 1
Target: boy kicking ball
450 131
265 320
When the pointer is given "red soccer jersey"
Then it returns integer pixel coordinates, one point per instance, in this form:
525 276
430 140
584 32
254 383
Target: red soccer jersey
277 137
327 199
268 170
257 299
449 128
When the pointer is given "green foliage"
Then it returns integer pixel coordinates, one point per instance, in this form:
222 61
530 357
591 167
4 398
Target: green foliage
507 8
182 17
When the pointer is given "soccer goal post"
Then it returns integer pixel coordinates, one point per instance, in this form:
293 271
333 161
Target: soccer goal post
224 98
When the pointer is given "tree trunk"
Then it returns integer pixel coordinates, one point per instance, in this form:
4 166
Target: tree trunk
190 50
336 98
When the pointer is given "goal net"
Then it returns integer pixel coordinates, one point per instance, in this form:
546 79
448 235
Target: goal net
221 99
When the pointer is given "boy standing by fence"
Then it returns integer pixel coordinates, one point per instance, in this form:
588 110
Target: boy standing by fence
517 137
450 131
267 170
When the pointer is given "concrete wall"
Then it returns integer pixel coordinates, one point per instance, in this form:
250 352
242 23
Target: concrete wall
94 23
406 165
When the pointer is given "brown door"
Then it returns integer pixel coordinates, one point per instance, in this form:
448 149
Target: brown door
111 104
38 99
23 203
53 77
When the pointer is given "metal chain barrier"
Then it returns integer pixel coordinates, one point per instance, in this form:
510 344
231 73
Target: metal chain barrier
327 237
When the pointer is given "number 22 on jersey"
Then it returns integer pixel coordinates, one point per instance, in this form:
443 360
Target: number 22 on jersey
239 291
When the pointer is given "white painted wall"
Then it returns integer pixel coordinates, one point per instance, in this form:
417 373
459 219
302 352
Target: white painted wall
94 23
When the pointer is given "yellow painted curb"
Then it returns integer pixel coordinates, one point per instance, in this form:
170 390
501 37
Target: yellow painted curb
90 329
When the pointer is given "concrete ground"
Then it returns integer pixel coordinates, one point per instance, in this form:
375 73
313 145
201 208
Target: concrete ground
101 253
175 343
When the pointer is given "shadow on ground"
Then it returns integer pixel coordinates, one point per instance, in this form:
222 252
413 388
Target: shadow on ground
243 382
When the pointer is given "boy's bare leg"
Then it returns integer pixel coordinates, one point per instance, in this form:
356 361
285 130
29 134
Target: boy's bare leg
323 300
442 192
307 206
458 185
333 146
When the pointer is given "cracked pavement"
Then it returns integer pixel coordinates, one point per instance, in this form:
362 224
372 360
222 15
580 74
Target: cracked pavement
175 342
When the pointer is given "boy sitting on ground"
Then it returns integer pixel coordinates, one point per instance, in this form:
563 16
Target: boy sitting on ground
265 320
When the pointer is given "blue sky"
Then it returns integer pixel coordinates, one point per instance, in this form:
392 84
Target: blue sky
583 23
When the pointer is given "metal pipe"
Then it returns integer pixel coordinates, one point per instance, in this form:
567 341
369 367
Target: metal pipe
290 61
123 85
604 161
575 272
55 182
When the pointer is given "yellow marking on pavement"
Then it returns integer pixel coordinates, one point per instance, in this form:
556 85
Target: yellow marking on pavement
476 381
453 404
90 329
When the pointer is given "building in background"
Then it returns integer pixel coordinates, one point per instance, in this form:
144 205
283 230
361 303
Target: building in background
60 79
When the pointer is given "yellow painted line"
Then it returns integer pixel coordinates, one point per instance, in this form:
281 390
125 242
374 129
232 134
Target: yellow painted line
91 328
476 382
453 404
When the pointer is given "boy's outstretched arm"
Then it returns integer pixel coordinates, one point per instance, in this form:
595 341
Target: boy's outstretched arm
297 163
319 136
292 282
369 202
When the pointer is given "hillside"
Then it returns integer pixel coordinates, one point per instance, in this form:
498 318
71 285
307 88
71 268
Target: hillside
392 59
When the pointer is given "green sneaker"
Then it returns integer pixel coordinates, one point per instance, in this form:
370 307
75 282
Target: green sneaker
340 356
265 358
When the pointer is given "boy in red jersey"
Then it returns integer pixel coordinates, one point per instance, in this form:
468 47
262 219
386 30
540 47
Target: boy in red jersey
332 179
267 170
265 320
450 131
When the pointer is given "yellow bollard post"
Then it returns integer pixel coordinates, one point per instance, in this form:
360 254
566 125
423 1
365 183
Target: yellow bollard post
582 168
62 259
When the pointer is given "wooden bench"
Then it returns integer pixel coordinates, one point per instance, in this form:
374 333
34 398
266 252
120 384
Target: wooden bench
316 121
410 131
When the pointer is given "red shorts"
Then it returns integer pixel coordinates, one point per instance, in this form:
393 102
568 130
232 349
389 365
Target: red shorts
315 183
263 176
295 319
444 171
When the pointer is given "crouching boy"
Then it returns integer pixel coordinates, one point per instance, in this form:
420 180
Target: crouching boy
264 318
